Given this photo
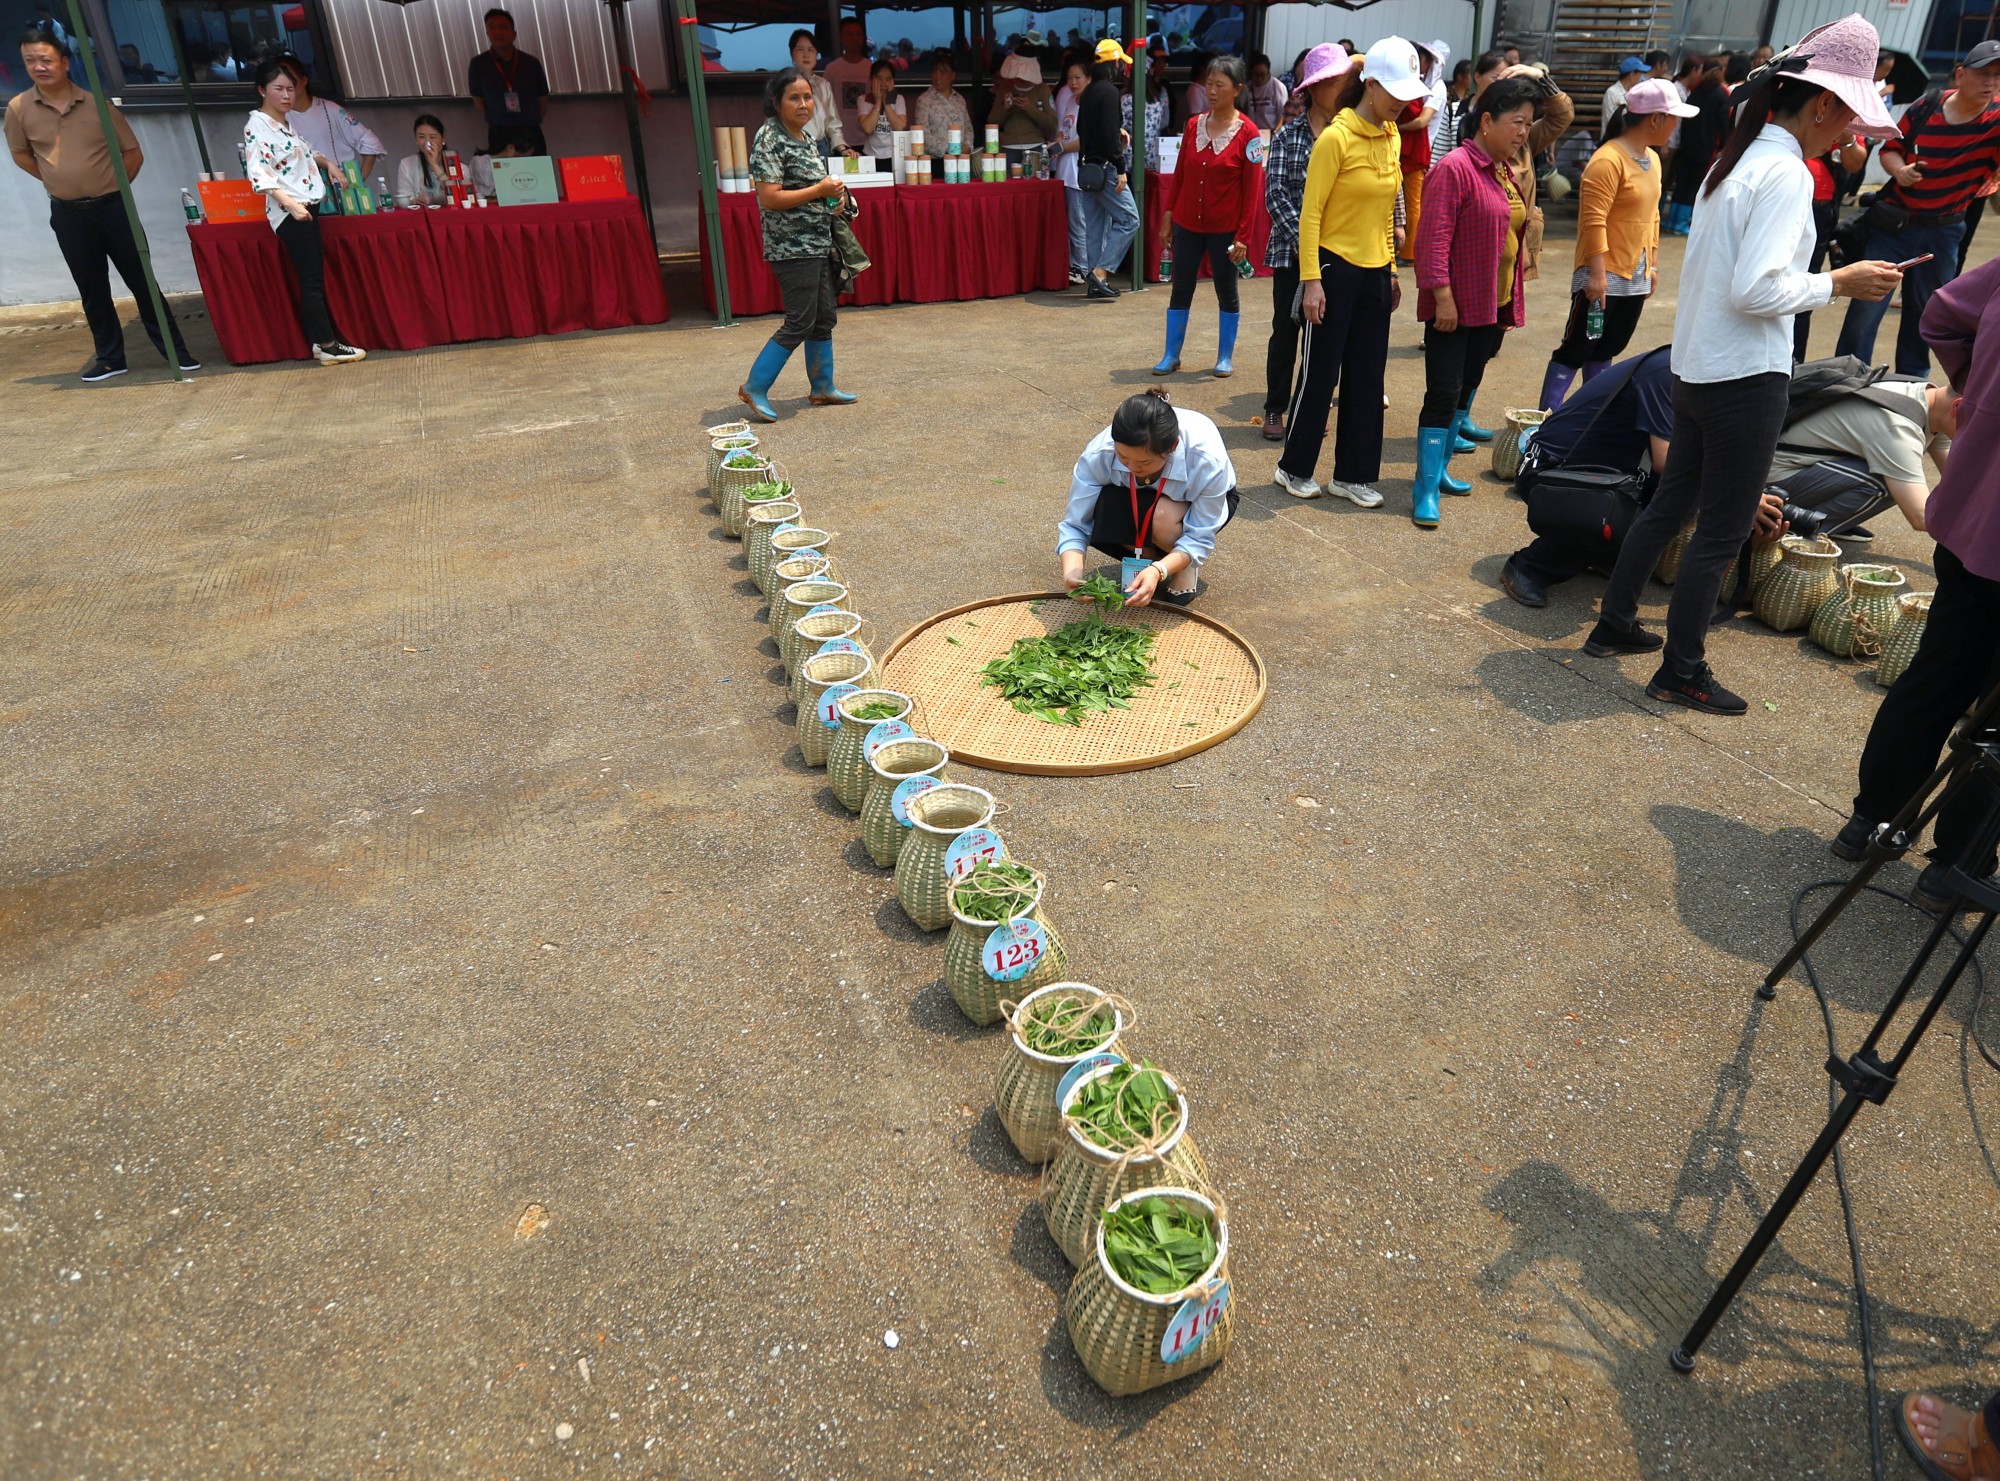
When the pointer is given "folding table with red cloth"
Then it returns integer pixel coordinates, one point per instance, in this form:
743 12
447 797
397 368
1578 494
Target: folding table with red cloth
1160 202
382 284
753 289
514 271
983 241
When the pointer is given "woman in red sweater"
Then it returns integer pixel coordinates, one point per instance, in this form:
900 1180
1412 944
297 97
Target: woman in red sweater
1217 184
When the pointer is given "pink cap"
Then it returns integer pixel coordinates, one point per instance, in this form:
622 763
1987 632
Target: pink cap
1840 57
1656 96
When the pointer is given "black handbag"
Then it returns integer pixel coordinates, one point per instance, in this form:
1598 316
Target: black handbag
1588 508
1096 175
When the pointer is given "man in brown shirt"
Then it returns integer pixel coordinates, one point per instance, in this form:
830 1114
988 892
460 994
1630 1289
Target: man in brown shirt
54 133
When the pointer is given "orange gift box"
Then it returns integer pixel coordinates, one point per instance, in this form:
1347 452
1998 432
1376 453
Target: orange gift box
230 200
593 177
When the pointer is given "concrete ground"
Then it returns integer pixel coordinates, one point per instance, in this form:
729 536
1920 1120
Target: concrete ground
449 1033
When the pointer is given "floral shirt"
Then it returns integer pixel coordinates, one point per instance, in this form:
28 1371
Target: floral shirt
936 114
806 230
279 159
1156 124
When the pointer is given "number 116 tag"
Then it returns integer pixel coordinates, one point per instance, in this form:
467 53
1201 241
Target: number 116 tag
1195 1320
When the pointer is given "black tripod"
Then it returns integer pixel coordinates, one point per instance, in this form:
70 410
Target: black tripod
1864 1076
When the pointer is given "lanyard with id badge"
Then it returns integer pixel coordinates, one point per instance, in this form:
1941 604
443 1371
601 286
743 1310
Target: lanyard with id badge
510 99
1130 566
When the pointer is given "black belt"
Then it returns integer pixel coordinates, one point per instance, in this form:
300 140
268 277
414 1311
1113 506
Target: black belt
1935 218
84 202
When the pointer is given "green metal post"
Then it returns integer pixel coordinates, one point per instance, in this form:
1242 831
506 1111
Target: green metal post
1478 27
1135 46
718 270
96 79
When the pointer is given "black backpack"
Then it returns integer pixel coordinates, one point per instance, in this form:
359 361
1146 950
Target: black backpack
1818 384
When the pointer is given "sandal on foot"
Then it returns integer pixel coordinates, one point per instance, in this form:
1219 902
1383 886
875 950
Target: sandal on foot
1963 1450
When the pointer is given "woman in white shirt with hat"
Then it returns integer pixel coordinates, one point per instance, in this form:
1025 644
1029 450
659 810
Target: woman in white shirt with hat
1743 279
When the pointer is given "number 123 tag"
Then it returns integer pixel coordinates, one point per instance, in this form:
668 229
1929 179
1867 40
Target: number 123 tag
1014 950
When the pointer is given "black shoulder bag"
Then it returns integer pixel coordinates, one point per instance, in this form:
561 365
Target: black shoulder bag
1586 507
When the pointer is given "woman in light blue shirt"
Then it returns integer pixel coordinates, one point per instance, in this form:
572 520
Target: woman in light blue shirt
1155 486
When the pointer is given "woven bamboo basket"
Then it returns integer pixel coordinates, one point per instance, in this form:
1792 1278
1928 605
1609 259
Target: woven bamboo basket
1913 612
883 833
812 634
1670 559
799 598
729 442
937 817
744 503
1085 1179
1118 1331
728 429
760 522
1025 1092
786 543
822 672
977 992
1507 444
730 484
1764 559
1861 613
846 772
790 572
1805 578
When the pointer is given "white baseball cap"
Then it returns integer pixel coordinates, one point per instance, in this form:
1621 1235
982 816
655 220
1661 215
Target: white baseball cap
1393 62
1656 96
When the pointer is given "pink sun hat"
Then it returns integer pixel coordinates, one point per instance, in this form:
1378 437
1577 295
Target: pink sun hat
1840 57
1327 60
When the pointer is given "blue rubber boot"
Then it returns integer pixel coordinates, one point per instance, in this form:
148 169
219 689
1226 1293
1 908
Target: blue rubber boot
1459 442
1556 381
1225 346
819 372
1433 446
755 391
1466 426
1177 320
1446 483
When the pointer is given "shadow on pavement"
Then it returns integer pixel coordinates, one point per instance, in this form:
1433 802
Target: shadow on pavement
1539 684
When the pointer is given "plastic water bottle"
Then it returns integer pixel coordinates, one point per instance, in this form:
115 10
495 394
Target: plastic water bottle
189 205
1167 261
1593 319
384 201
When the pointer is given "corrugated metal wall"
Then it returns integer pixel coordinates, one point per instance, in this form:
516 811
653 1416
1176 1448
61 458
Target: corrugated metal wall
421 50
1290 29
1902 27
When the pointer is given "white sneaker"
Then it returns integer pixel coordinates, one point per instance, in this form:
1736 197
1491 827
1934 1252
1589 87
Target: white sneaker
1358 493
336 353
1298 488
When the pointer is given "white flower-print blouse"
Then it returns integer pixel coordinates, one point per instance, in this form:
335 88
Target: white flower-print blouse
279 159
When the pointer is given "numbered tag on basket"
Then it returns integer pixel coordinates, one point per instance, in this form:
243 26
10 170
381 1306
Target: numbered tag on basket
1014 950
822 609
783 525
829 702
1129 569
1195 1320
1083 1067
837 645
973 846
909 787
884 732
806 555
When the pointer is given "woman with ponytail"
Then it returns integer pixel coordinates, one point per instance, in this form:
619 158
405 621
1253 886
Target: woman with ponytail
1743 279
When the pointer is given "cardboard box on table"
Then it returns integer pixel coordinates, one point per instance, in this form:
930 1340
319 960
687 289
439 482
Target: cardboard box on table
528 181
230 200
593 177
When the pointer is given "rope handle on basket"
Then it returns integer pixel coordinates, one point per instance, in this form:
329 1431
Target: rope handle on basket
1151 1144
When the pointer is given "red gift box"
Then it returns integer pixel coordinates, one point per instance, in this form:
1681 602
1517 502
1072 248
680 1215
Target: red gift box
229 200
593 177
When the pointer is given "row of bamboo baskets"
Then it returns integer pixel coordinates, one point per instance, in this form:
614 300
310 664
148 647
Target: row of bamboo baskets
919 821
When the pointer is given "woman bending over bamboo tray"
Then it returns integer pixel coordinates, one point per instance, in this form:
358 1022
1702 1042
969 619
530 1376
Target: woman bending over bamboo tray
1153 489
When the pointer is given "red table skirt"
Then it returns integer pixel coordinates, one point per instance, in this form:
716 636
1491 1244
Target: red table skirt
1159 205
929 244
753 288
406 279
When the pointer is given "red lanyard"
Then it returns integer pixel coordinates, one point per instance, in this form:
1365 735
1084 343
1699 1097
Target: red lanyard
1140 531
507 77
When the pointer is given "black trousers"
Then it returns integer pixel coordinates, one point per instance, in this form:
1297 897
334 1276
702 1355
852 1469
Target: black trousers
1717 463
302 245
1973 212
1826 220
1957 662
1454 364
1281 357
1189 249
94 239
811 300
1350 347
1621 318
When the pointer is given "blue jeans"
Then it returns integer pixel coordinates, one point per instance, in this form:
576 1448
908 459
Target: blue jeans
1857 331
1110 221
1079 235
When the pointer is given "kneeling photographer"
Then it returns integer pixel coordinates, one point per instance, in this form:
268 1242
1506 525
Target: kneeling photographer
1853 445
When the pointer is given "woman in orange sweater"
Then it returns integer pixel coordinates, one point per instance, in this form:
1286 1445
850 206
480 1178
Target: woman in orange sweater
1217 185
1617 236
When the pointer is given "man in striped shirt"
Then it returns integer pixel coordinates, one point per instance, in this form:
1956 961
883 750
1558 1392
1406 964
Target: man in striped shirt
1949 149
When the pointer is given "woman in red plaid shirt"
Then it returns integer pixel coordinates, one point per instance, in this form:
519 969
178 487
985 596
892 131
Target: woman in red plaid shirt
1469 277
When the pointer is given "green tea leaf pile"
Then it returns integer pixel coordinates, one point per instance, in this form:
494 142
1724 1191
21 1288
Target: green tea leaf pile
760 493
1126 1107
1084 668
876 709
1065 1026
1158 1246
1100 590
996 890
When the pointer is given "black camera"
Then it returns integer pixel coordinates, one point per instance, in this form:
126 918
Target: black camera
1804 521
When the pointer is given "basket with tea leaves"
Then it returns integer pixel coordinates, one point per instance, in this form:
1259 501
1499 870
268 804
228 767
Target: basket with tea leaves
1048 1032
1000 945
1153 1302
1126 1127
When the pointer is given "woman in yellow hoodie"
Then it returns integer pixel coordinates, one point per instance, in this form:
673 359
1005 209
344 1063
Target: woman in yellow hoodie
1617 237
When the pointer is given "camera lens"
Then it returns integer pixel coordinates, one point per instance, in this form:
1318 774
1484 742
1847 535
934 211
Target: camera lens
1803 521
